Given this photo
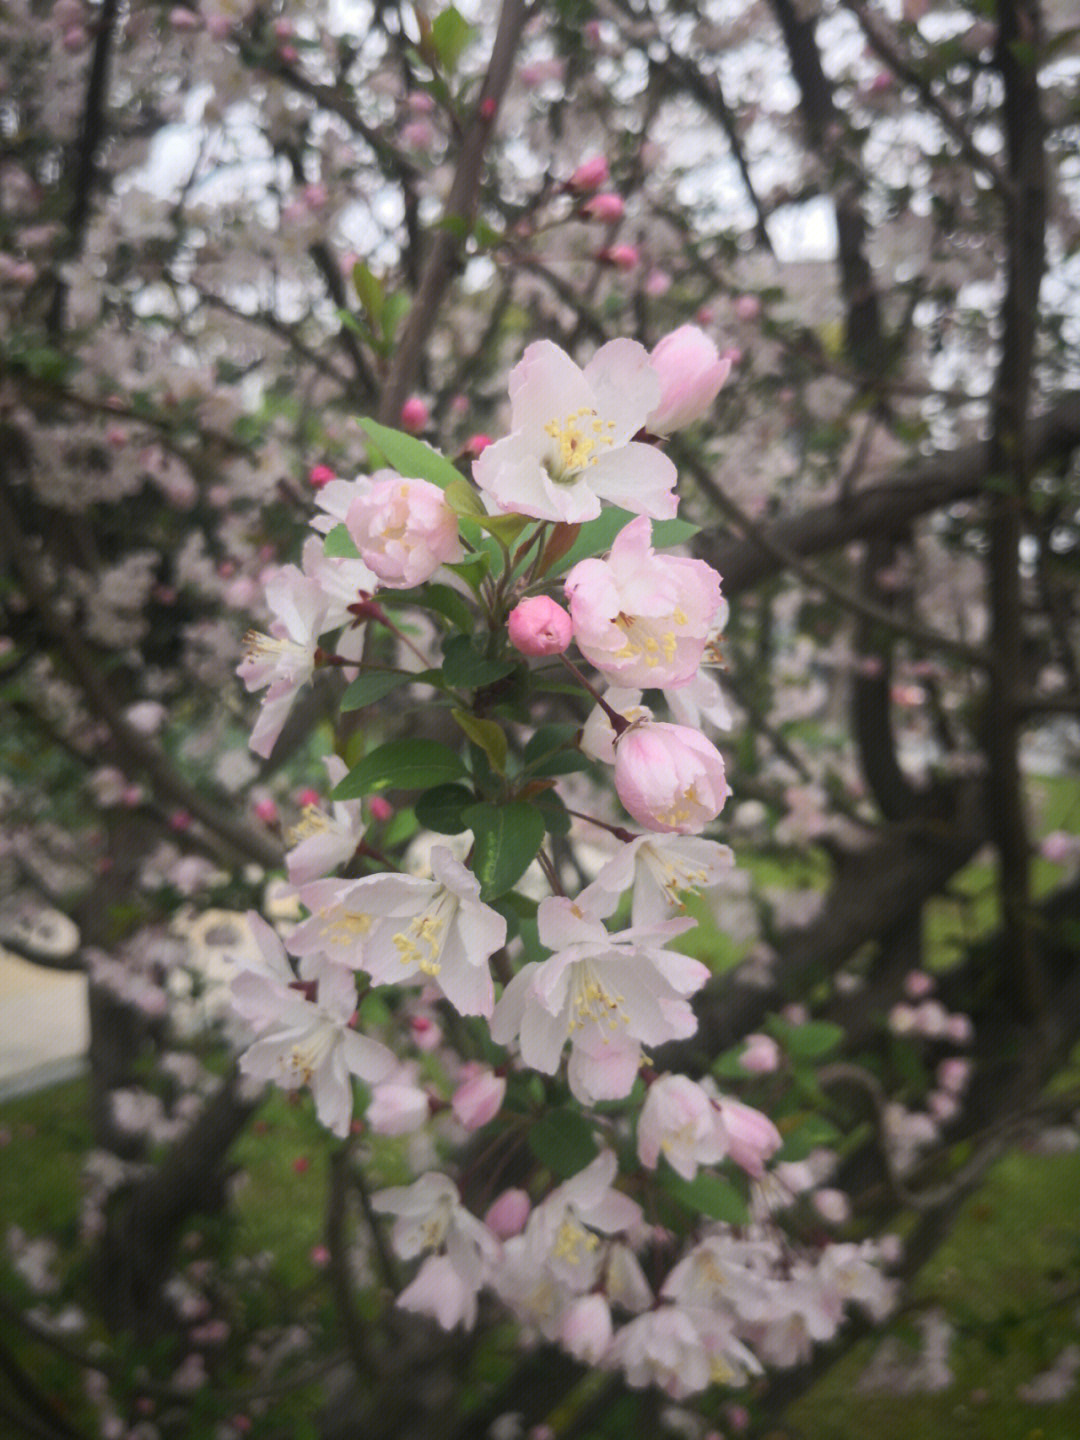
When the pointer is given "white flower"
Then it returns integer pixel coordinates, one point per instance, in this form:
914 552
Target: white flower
431 1217
608 994
310 1042
678 1120
661 869
284 660
400 927
324 841
572 444
562 1231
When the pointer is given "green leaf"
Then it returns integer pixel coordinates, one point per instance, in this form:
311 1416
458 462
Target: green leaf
487 237
465 668
507 838
402 765
803 1134
410 456
563 1140
463 498
442 809
339 545
488 734
553 750
394 312
556 816
450 33
597 535
707 1194
812 1041
369 292
370 686
440 598
504 527
472 571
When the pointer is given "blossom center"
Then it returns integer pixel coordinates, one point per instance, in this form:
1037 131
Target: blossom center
592 1003
573 1243
345 925
422 942
577 439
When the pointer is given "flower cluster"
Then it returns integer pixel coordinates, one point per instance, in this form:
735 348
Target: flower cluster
534 571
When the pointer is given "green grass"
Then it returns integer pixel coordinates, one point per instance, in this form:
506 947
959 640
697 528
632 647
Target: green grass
1008 1277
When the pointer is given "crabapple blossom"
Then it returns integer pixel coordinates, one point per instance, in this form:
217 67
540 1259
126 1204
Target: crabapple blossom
415 414
609 994
398 1105
563 1232
750 1136
430 1217
586 1328
310 1042
691 373
404 529
698 701
507 1215
478 1098
598 735
642 618
322 842
669 777
590 174
679 1121
572 444
539 626
761 1056
606 208
399 927
283 661
659 869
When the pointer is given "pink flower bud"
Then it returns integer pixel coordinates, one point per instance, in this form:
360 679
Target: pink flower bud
414 414
761 1056
607 207
404 529
478 1100
319 1256
320 475
751 1136
180 820
691 373
959 1029
476 445
657 283
621 257
380 808
183 19
917 984
539 626
832 1205
289 54
266 810
747 307
669 777
586 1328
219 27
507 1215
589 175
953 1074
283 29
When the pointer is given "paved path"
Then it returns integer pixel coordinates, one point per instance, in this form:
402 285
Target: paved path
43 1025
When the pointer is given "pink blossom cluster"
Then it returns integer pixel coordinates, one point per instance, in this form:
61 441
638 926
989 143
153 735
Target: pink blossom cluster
589 1003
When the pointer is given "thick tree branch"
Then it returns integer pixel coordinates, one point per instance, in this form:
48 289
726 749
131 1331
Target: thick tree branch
445 257
888 508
